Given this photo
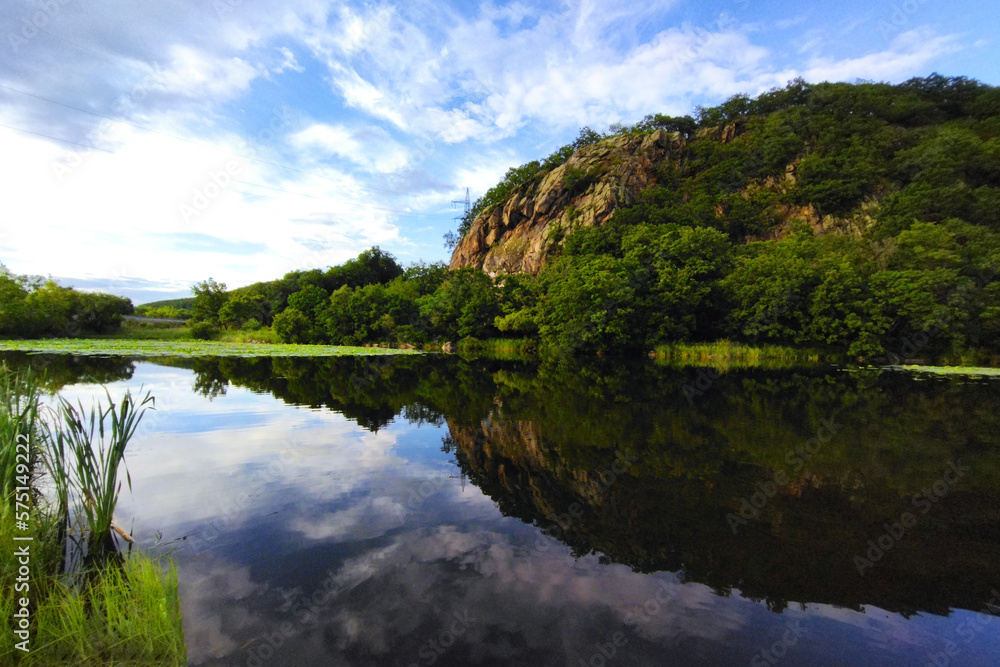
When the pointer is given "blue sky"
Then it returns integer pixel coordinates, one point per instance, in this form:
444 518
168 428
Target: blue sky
149 146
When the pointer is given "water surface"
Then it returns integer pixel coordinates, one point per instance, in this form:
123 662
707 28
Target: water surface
440 511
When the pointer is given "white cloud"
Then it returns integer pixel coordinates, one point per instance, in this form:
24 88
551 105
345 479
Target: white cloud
369 147
413 97
197 75
288 62
908 53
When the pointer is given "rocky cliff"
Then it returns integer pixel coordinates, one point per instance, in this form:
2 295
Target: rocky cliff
519 235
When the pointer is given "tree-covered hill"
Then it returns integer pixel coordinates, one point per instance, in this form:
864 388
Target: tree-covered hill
860 218
854 215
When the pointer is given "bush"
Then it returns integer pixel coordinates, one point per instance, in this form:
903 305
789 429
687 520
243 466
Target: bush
470 344
292 326
251 325
204 331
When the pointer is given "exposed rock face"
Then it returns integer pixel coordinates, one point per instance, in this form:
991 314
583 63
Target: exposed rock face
518 236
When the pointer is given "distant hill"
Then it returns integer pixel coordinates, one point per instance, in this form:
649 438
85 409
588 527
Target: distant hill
186 303
169 308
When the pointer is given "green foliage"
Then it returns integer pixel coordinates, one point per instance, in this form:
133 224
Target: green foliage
241 307
683 125
204 331
184 305
373 266
577 180
292 326
30 308
589 305
466 304
209 297
171 312
89 347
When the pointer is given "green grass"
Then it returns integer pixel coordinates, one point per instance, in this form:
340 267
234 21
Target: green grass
951 370
262 335
132 331
726 355
186 348
105 610
128 615
498 348
83 453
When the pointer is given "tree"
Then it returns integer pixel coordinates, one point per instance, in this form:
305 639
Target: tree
292 326
241 307
209 297
14 319
466 304
589 305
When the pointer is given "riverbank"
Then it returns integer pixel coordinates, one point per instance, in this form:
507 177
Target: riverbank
69 596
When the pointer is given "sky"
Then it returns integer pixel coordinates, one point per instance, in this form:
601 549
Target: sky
149 146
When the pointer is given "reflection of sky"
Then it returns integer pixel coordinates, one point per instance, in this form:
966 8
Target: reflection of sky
274 500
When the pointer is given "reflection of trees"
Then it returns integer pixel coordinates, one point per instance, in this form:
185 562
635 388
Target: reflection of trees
540 448
535 438
55 371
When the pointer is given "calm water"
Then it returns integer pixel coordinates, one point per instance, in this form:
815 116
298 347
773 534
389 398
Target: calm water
435 511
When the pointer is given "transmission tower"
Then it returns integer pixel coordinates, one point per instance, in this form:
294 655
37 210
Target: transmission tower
467 202
451 239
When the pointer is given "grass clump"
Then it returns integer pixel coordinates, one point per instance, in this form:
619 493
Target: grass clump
186 348
725 355
250 335
89 604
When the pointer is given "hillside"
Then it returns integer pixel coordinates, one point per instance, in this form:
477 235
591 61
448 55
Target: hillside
859 219
858 159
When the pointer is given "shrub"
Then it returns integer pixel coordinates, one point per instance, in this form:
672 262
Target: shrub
204 331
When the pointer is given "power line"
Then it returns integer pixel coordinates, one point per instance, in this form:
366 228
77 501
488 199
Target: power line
259 185
305 194
48 136
188 141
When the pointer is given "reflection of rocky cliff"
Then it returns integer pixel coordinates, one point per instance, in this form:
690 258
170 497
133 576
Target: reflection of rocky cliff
803 551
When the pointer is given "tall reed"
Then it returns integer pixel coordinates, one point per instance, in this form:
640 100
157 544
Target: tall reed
110 611
85 451
19 402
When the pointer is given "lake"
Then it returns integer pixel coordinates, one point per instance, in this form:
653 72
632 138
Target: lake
434 510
